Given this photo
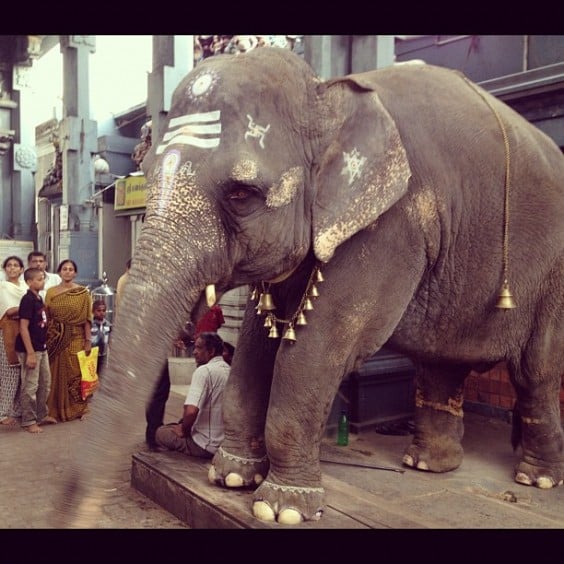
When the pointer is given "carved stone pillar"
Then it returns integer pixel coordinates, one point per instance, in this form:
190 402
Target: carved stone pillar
78 138
24 159
6 140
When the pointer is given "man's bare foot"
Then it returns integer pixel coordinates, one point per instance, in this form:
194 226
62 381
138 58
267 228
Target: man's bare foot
9 421
48 420
35 428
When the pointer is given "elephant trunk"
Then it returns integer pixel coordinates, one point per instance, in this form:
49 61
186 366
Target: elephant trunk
157 300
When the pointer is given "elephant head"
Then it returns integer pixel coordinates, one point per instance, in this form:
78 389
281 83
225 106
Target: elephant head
264 172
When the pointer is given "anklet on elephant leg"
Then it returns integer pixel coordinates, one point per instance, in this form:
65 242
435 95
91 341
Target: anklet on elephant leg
234 458
293 489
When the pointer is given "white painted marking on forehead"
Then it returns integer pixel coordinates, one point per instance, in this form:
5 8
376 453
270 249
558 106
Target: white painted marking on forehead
201 84
193 129
184 130
189 140
255 130
194 118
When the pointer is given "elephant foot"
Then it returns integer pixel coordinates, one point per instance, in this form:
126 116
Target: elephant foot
231 471
287 505
540 476
439 455
436 445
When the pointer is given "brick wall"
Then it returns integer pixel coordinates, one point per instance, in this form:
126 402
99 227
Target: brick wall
494 388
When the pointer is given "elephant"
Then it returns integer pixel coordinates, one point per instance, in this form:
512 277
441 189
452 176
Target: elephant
404 206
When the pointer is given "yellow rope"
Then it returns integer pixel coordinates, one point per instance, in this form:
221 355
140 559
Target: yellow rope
505 247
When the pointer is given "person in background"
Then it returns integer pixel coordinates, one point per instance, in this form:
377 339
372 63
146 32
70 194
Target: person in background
201 431
69 308
37 259
211 321
121 282
228 352
100 333
31 345
12 290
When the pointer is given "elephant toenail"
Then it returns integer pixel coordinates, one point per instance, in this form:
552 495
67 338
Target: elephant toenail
233 480
545 482
263 511
522 478
290 517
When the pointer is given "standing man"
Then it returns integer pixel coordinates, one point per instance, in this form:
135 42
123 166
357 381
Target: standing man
201 431
37 259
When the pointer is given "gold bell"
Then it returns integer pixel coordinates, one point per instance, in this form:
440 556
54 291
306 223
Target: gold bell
301 319
505 300
273 333
290 334
268 321
308 306
313 293
266 303
254 294
319 276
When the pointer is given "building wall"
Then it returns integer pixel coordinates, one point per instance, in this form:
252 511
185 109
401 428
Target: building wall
493 393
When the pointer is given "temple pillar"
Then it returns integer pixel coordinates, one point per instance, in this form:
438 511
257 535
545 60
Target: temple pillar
79 142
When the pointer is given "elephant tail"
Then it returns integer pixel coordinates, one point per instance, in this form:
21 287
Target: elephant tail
516 427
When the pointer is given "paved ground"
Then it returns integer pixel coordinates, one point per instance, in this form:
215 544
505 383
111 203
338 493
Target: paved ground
480 494
31 470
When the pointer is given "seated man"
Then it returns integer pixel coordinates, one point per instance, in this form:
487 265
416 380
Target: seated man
201 431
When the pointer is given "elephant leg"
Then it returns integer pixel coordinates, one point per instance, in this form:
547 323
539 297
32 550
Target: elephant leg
439 427
537 423
241 460
292 491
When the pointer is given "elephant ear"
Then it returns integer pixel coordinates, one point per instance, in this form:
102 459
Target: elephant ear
364 169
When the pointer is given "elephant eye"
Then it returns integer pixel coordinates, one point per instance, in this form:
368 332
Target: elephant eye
240 193
243 199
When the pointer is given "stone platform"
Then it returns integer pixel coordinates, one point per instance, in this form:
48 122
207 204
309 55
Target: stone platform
180 485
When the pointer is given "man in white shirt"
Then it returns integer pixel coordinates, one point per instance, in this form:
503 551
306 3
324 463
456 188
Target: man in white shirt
201 430
37 259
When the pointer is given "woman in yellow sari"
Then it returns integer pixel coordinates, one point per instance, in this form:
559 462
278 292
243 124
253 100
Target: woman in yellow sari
12 290
69 313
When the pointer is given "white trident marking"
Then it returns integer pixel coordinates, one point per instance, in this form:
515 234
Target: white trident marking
184 130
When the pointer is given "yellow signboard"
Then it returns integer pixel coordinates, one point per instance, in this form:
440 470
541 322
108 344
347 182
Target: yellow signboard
131 193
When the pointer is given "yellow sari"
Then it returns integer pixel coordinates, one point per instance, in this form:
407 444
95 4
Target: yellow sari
66 313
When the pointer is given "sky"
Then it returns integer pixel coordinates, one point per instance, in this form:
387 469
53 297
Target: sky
118 78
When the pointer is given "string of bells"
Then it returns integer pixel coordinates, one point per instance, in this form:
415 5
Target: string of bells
265 306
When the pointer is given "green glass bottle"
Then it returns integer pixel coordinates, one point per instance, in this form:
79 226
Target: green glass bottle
343 429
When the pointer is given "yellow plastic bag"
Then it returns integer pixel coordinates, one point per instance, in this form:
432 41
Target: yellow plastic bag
88 371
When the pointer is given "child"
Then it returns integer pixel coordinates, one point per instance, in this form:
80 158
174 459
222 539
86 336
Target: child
100 333
32 353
